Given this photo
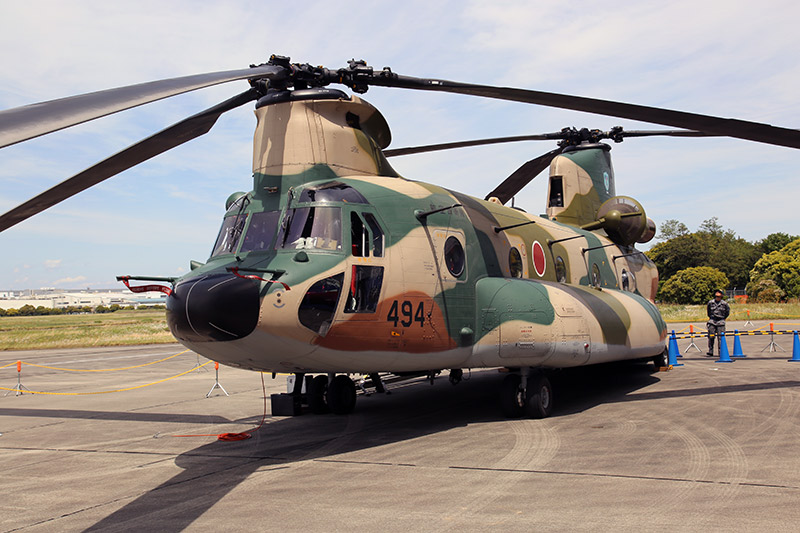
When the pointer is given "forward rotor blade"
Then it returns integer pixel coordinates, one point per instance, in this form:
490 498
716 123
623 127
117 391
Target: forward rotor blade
145 149
729 127
26 122
522 176
464 144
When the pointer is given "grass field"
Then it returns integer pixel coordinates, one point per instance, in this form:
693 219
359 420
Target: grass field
150 327
75 331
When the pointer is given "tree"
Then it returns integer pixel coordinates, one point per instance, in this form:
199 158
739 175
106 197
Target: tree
782 267
765 291
27 310
693 285
671 228
678 253
774 242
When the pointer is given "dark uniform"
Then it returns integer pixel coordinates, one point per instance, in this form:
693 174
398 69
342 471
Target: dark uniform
718 311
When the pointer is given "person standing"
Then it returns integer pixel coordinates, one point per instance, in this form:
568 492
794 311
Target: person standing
717 310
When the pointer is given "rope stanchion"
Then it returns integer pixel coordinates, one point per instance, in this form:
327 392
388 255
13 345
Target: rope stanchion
104 369
216 382
20 387
198 367
724 355
772 344
691 336
748 323
106 391
737 346
230 437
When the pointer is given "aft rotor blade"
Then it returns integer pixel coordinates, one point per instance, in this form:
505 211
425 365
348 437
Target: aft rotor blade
522 176
729 127
26 122
158 143
464 144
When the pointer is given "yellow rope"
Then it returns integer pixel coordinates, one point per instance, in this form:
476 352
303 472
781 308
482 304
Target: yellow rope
102 369
109 391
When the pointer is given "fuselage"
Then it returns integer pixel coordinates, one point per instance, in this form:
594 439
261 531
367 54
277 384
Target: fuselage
333 263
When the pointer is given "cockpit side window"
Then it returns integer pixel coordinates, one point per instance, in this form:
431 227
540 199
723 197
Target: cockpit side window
377 234
232 227
359 238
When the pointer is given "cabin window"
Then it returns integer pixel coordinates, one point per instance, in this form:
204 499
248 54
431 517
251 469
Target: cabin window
561 270
595 275
312 228
515 263
454 256
365 289
319 304
261 231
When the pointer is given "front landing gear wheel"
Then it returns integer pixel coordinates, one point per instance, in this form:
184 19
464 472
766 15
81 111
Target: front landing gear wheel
660 360
341 395
316 395
512 398
540 397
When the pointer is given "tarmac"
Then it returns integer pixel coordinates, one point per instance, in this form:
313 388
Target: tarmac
705 446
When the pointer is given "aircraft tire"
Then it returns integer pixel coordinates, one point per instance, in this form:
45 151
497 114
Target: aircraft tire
316 395
341 395
660 360
540 397
512 401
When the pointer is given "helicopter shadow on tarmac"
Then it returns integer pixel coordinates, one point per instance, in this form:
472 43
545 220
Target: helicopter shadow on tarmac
415 410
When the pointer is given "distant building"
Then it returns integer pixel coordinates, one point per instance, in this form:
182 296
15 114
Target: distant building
54 299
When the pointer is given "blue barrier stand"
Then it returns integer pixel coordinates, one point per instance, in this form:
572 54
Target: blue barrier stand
674 352
795 349
737 345
724 356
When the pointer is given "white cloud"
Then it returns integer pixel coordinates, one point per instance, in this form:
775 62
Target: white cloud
65 281
52 263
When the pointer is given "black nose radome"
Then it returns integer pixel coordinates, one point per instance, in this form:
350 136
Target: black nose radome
216 307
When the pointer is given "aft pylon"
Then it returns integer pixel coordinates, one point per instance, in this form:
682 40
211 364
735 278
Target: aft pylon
724 355
674 352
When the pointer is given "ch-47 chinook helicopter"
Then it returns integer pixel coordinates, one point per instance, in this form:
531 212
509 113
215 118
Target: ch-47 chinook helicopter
334 264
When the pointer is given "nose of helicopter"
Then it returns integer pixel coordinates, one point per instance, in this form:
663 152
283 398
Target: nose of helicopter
215 307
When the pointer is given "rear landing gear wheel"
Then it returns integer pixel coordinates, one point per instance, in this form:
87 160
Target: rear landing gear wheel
512 398
316 395
341 395
540 397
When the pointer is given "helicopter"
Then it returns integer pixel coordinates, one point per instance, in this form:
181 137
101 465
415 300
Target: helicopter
334 264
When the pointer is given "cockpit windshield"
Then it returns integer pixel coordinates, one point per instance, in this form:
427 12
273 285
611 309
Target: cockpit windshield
261 231
311 228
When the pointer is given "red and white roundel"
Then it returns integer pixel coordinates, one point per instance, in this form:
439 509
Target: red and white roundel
539 260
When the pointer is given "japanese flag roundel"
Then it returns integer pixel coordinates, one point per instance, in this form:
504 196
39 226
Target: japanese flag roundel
539 260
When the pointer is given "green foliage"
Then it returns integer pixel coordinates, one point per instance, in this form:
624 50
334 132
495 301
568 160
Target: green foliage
693 285
710 246
774 242
782 267
670 229
765 291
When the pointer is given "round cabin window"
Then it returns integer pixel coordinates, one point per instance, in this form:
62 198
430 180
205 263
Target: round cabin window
515 263
561 270
454 256
595 275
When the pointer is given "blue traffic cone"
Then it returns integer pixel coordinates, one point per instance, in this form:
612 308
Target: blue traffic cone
724 356
672 358
737 345
795 349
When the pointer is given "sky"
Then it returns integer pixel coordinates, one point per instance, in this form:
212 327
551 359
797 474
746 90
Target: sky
734 59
